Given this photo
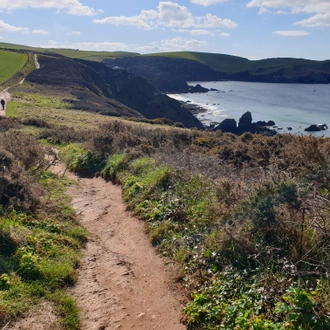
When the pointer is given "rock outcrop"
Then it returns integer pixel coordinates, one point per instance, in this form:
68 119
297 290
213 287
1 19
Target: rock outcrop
228 125
245 124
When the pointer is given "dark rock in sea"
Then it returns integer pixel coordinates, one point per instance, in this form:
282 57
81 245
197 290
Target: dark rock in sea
228 125
214 90
246 125
312 128
264 123
198 89
245 122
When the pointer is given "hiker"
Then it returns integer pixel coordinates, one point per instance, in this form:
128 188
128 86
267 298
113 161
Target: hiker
3 102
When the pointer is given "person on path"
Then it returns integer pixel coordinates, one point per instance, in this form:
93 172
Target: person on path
3 102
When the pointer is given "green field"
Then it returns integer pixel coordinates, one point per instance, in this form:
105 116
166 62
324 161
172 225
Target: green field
10 63
97 56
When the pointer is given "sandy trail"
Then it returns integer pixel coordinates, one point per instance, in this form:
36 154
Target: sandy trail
123 283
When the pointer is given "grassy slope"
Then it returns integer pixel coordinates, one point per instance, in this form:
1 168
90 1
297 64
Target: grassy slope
218 62
71 53
10 63
234 64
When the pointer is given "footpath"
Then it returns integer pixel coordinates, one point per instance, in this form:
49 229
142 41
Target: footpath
123 283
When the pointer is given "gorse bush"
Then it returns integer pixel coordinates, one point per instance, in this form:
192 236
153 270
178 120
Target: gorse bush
245 218
8 123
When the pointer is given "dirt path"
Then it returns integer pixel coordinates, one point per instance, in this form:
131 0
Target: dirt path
123 283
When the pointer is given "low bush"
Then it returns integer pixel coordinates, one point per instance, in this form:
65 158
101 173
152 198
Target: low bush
79 160
35 122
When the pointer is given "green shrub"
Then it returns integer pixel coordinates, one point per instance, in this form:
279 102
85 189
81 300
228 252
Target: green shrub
113 166
79 160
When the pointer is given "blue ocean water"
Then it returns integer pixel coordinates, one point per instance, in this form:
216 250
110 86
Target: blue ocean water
289 105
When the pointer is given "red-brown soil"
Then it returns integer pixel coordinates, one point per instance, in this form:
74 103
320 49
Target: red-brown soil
123 283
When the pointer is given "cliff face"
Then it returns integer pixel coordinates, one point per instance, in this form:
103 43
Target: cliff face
112 92
171 74
167 74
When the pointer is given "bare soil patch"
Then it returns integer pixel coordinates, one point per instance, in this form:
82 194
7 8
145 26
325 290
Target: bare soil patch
123 283
42 317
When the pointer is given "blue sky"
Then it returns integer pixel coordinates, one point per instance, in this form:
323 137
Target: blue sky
253 29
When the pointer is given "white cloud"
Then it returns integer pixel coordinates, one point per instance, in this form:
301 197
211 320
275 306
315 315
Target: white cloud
193 32
224 34
73 7
293 33
206 3
74 33
96 46
319 20
212 21
175 44
1 37
123 20
43 32
163 46
10 28
321 9
263 10
172 14
169 14
281 12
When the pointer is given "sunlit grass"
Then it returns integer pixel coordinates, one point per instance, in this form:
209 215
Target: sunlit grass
52 110
10 63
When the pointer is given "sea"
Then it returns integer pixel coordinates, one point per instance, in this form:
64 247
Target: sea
292 107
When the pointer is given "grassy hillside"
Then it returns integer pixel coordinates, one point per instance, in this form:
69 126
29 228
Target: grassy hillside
10 64
98 56
235 64
218 62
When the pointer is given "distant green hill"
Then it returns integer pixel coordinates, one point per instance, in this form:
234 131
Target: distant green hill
10 64
71 53
218 62
170 71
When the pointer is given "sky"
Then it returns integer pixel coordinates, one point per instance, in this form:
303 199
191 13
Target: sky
253 29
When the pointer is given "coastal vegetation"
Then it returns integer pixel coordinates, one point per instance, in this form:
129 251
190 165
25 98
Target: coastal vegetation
244 218
40 239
